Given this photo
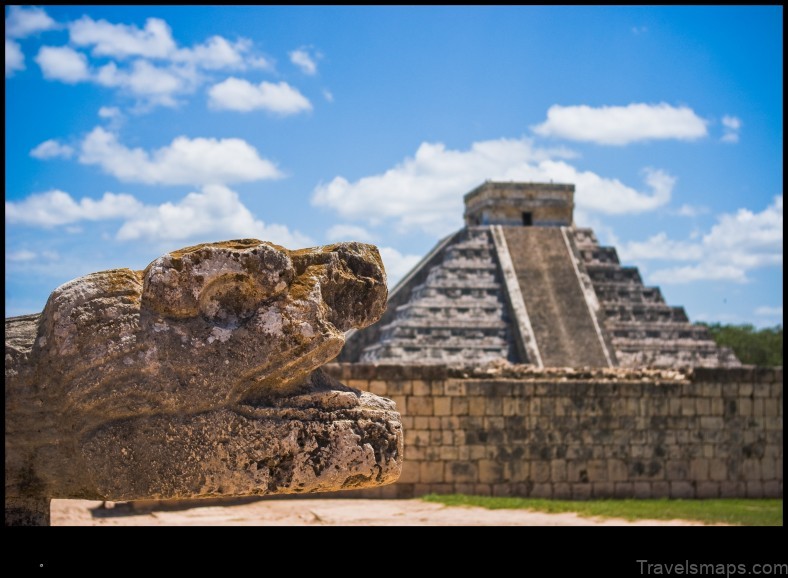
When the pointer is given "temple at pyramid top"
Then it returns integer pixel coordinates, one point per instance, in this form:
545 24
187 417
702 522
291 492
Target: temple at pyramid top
520 282
514 204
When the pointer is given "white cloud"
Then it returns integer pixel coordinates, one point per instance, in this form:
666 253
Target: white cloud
691 211
195 161
243 96
396 264
766 311
303 60
735 245
154 85
121 40
14 59
425 191
63 63
660 247
213 214
342 232
109 112
50 149
21 255
327 95
216 53
59 208
620 125
24 21
731 126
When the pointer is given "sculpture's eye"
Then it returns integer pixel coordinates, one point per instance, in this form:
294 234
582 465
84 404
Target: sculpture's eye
230 299
224 283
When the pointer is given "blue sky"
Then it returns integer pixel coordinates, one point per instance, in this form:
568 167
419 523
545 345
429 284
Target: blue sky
134 130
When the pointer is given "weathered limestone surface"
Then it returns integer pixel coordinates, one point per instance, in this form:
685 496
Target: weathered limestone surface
197 377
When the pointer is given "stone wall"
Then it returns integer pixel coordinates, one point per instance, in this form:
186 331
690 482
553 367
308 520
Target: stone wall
562 433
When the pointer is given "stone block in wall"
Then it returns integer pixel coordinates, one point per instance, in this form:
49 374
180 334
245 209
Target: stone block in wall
542 490
461 472
682 489
676 470
449 453
399 387
379 387
751 470
421 422
758 407
503 490
602 489
772 490
441 406
642 490
718 470
754 489
417 437
464 488
768 471
459 405
435 423
419 406
660 489
421 489
482 489
597 470
421 388
494 406
772 407
707 490
558 471
562 491
410 472
699 470
617 470
490 471
729 489
432 472
581 491
455 387
623 490
540 471
476 405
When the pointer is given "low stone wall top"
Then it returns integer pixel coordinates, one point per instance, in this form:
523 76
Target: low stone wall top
345 371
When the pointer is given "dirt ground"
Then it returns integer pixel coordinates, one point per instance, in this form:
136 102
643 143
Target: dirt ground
324 512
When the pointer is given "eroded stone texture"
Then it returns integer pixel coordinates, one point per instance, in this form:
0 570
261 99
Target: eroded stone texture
197 377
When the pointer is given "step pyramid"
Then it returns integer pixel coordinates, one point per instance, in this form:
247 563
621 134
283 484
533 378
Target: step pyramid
521 283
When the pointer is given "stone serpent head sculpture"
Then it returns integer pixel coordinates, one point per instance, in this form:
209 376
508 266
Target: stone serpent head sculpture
197 377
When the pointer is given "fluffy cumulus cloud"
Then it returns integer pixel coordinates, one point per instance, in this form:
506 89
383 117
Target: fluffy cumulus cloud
121 40
57 207
51 149
146 64
425 191
63 63
620 125
14 59
731 126
214 212
23 21
736 244
185 161
150 83
242 96
304 60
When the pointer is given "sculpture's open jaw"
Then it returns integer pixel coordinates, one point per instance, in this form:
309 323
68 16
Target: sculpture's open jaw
323 436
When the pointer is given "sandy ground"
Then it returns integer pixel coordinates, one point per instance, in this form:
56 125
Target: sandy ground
325 512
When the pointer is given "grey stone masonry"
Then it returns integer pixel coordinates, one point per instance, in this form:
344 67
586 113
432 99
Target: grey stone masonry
521 283
644 330
458 313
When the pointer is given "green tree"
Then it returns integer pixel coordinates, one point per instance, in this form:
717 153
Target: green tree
752 346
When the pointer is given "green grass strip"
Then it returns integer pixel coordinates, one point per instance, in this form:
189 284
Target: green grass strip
726 511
